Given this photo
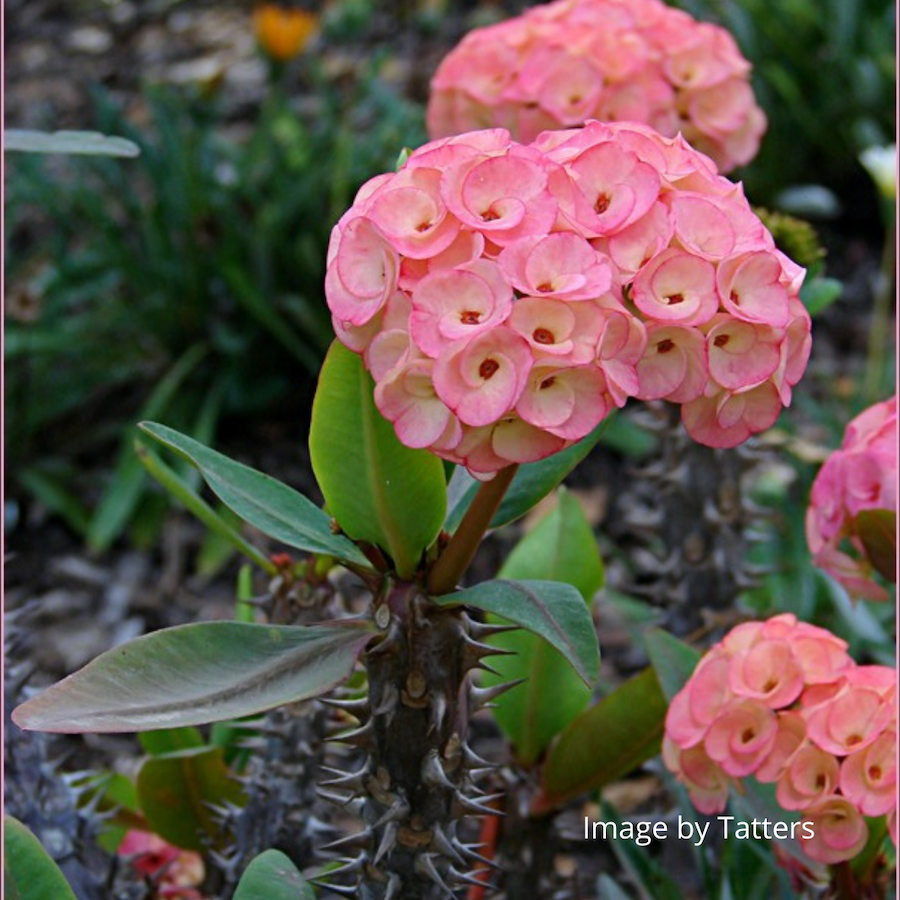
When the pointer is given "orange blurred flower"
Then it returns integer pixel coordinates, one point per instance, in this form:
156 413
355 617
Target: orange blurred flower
282 33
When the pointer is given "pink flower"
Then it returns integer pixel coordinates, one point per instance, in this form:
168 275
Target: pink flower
839 830
869 776
529 290
567 62
482 379
175 873
860 476
782 701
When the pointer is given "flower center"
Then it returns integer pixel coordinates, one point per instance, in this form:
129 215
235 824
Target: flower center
721 340
665 346
602 204
488 368
489 215
470 317
747 735
875 773
547 383
543 336
673 299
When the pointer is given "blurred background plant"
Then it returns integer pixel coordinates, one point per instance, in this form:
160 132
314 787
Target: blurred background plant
185 284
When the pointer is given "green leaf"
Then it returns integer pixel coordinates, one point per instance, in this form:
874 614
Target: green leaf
552 610
267 504
379 490
179 791
561 547
198 673
29 873
877 529
818 294
81 142
605 742
192 501
272 876
532 483
170 740
673 660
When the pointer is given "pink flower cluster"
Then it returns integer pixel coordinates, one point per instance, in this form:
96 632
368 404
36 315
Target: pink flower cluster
506 297
782 700
563 63
861 475
175 873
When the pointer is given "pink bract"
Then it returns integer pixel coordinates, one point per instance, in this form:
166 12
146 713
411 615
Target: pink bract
780 700
567 62
860 476
548 284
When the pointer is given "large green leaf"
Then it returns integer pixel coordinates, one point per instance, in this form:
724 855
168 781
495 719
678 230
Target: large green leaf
605 742
272 876
533 481
379 490
561 547
554 611
267 504
29 873
179 791
198 673
673 660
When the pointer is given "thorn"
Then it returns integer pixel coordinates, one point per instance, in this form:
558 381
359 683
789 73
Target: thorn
343 890
446 846
357 708
471 758
482 630
469 850
479 650
331 797
349 866
350 780
360 838
393 887
438 711
399 809
425 866
388 842
478 807
358 737
433 772
482 696
486 668
470 877
388 703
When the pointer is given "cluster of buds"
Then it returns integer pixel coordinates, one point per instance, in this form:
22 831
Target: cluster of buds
175 873
860 476
781 700
507 297
561 64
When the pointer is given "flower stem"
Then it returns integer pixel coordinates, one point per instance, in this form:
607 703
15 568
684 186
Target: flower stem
453 562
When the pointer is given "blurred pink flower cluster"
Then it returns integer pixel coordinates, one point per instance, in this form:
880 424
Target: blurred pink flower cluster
175 873
563 63
782 700
860 476
506 298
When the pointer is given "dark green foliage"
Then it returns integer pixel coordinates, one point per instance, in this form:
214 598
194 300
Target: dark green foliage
203 257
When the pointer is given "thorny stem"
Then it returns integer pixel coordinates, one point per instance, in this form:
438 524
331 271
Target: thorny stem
457 555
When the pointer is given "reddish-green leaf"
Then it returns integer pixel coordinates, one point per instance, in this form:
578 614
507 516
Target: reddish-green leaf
605 742
179 791
877 529
199 673
380 491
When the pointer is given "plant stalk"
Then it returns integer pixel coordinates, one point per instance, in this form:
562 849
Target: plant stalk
453 562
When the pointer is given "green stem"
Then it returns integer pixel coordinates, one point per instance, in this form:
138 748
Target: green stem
843 882
879 329
457 555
